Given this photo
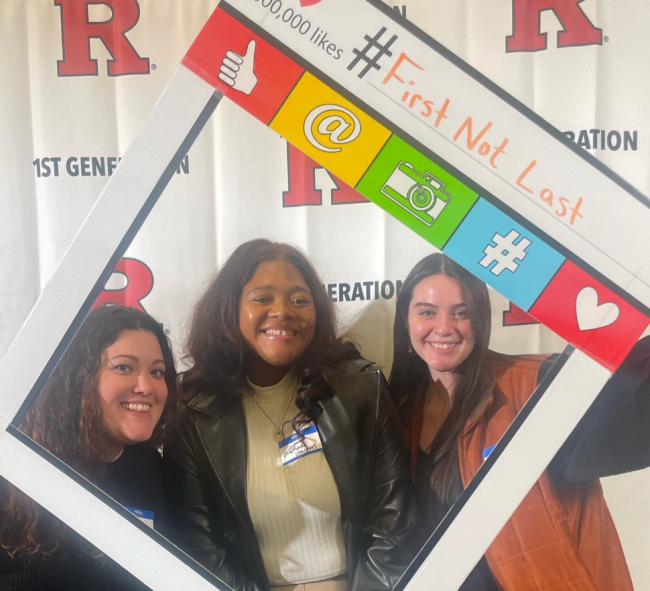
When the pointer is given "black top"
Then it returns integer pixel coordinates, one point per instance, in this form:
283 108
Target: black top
480 579
133 480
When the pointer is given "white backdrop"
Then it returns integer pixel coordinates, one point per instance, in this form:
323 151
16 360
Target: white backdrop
63 129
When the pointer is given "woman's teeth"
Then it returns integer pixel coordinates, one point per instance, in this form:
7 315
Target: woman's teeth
443 345
280 333
137 407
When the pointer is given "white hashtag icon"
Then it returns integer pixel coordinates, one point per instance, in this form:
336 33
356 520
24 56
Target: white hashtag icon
505 253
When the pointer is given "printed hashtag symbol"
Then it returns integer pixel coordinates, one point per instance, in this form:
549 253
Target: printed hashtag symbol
505 253
373 43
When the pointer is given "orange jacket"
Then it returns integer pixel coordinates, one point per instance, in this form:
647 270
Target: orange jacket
562 536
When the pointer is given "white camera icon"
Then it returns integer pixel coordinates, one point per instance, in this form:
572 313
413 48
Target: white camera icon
421 194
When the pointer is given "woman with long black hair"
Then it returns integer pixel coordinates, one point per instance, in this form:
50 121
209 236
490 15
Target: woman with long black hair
288 468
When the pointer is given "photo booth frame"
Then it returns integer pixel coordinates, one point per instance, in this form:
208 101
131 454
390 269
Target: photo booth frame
177 119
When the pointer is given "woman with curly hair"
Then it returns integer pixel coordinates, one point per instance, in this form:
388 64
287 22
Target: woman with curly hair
287 468
104 412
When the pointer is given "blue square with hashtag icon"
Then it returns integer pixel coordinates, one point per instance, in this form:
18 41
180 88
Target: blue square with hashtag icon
504 254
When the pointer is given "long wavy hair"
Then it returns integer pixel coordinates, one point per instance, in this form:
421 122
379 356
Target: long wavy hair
217 349
66 419
410 374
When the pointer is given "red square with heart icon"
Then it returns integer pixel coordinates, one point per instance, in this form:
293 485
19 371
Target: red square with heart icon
589 315
243 66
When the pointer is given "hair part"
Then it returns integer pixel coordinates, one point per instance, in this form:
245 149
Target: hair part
66 419
410 374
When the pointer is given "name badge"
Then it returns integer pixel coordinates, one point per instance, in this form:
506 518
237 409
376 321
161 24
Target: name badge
487 451
143 515
292 449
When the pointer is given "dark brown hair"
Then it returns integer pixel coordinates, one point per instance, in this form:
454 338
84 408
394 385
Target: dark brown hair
217 348
410 374
66 419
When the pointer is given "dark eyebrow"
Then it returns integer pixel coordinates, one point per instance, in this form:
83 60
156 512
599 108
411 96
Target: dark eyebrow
131 357
428 305
295 288
292 289
134 358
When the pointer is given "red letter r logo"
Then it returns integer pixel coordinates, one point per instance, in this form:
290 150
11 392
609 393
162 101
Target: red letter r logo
77 31
526 16
139 283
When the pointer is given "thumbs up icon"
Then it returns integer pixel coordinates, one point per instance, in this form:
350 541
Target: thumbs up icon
237 70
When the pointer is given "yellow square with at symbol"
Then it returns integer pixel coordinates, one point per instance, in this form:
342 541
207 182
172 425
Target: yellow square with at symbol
330 129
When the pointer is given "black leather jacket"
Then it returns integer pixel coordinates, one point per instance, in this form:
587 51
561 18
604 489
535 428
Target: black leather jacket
204 479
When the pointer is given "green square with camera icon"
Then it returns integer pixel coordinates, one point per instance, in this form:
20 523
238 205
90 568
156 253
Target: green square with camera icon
417 192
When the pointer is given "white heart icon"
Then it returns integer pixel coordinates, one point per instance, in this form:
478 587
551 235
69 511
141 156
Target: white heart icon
590 314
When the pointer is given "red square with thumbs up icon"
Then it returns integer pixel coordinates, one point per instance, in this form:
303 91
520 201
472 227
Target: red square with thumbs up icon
243 66
589 315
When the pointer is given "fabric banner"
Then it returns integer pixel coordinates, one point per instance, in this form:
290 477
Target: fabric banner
80 77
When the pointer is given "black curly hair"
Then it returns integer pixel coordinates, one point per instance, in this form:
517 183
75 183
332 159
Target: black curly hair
217 349
66 419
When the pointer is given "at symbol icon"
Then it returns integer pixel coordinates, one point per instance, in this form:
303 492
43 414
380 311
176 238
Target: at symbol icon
332 122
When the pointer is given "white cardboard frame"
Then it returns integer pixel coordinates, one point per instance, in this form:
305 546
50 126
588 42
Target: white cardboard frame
137 183
131 192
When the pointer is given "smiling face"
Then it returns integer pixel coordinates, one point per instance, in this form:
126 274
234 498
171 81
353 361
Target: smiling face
277 318
132 389
439 325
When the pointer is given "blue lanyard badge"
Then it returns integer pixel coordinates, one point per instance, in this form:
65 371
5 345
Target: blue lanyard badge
487 451
292 449
143 515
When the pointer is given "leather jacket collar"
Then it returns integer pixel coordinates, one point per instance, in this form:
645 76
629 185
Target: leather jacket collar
206 464
227 423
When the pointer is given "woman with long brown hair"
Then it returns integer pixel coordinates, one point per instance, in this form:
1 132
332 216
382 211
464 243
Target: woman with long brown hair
104 411
287 468
457 398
